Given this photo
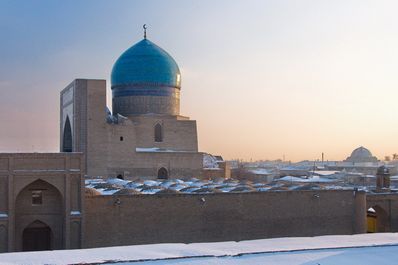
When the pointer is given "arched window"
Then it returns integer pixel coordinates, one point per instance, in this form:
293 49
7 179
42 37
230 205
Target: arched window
67 139
162 173
158 133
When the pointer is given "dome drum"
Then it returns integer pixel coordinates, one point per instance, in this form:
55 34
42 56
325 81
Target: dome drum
135 105
144 90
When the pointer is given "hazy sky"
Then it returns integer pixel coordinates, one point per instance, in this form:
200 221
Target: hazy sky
263 79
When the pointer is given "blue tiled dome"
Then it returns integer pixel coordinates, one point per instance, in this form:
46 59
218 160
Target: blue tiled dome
145 79
145 63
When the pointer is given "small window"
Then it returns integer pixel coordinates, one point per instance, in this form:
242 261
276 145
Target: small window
162 173
37 197
121 139
158 133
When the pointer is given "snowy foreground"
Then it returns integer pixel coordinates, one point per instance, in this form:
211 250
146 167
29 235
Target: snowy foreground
355 249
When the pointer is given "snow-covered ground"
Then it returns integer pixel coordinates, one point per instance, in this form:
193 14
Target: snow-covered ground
362 249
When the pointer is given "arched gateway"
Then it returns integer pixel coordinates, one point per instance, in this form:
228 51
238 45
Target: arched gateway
41 201
39 217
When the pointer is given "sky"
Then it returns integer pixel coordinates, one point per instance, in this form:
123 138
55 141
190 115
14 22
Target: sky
263 79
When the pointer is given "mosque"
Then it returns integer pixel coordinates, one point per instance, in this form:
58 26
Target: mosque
145 135
361 155
361 160
42 194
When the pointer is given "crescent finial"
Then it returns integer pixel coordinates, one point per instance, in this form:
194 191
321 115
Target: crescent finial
144 27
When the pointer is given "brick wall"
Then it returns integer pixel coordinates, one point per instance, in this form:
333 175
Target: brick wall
142 219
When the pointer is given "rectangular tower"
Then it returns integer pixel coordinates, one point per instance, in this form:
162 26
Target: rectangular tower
83 122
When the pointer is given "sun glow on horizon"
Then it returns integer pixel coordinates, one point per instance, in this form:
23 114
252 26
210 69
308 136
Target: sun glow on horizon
263 79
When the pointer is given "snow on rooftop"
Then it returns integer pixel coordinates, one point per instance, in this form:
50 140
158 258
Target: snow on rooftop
296 167
157 150
210 162
3 215
75 213
364 249
325 172
307 180
371 210
259 171
112 186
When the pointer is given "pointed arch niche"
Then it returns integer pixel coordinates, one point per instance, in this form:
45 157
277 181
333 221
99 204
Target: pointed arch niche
163 173
158 133
67 137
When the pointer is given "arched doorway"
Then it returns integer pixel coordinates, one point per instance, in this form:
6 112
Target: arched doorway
377 220
67 137
37 236
371 220
162 173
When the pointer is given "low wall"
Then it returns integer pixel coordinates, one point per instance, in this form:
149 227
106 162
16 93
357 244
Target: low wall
141 219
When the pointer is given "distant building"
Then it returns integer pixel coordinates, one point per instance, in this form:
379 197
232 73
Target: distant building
361 160
361 155
215 167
